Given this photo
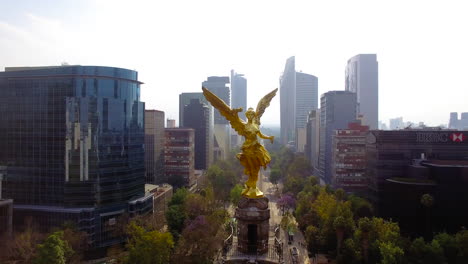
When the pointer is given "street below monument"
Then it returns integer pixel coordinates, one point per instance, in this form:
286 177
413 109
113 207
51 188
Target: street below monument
271 192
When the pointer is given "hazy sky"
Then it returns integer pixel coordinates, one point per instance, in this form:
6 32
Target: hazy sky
421 46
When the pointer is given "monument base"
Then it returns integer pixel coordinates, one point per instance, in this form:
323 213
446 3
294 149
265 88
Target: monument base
253 216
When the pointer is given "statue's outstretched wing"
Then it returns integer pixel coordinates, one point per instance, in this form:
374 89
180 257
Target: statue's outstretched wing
263 104
230 114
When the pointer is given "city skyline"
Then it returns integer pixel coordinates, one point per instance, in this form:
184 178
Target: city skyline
408 49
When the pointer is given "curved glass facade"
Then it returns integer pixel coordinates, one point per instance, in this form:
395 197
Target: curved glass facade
72 136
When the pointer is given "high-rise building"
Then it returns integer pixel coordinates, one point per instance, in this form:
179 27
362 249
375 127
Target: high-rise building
349 158
238 91
238 99
311 148
154 146
288 101
337 110
179 156
73 147
222 129
184 99
298 96
362 78
199 117
460 124
218 86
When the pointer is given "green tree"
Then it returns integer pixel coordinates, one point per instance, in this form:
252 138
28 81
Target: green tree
148 247
22 247
427 253
427 201
222 180
449 245
54 250
175 217
350 253
275 176
462 242
235 194
391 254
339 224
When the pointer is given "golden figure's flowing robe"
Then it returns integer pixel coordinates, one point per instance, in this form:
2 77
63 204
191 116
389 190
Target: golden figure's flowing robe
253 155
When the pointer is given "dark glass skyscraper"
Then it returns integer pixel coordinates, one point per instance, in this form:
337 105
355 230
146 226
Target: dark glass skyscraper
72 141
199 117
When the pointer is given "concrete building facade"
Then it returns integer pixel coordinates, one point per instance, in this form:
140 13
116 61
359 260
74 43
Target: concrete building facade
179 156
154 146
349 158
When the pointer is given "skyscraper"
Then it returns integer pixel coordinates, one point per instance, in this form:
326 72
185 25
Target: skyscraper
199 117
154 146
222 129
238 91
337 110
73 147
311 149
298 96
362 78
238 99
288 101
218 86
184 99
306 101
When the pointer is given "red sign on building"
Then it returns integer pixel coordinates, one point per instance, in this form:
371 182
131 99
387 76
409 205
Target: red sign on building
457 137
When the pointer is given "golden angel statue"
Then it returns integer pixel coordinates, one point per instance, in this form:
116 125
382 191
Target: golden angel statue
253 155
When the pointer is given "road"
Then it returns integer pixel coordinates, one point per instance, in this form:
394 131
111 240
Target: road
271 193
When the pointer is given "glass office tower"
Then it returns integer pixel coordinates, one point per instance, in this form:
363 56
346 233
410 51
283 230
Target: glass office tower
72 141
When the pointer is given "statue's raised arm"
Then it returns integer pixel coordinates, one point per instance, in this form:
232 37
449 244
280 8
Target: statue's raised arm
230 114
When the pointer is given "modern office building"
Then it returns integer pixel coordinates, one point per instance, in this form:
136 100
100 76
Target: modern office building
184 99
222 129
298 96
73 147
362 78
349 158
337 110
288 101
405 164
238 91
179 156
460 124
219 86
154 146
199 116
238 99
311 149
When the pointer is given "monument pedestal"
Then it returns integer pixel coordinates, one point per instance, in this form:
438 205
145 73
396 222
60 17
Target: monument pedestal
253 216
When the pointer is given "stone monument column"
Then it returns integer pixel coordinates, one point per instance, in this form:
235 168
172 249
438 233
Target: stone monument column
253 226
